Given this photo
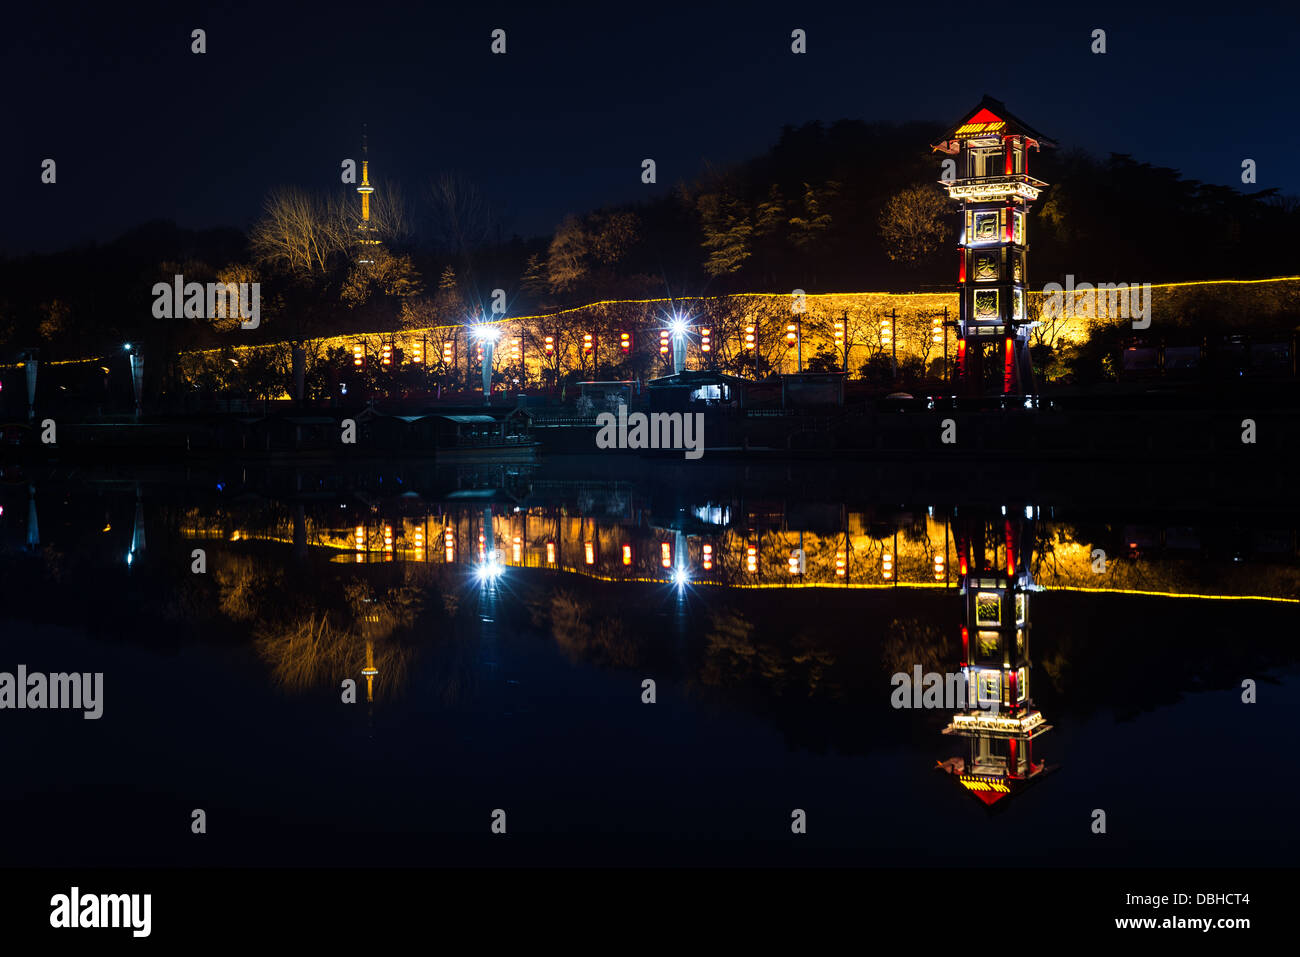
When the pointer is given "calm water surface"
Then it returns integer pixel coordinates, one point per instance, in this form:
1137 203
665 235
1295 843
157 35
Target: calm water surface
510 615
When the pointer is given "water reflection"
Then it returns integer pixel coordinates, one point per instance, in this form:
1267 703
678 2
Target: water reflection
318 639
428 590
873 548
995 562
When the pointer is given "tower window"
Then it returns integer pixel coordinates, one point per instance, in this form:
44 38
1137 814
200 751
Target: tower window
984 162
990 685
988 608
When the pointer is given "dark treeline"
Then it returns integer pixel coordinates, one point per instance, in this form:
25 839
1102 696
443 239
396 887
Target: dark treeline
849 206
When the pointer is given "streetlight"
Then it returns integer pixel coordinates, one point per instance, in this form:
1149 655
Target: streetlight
677 326
489 569
137 376
486 336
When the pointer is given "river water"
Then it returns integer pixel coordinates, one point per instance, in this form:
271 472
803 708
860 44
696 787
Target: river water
499 624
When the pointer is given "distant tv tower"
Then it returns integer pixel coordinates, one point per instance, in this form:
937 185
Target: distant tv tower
367 232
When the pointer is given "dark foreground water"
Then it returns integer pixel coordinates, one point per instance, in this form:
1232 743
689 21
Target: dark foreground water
511 615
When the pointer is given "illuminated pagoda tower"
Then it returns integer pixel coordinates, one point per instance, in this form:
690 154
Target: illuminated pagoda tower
994 582
992 182
367 238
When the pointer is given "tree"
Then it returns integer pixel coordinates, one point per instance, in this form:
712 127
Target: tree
567 259
771 223
726 318
728 233
566 340
915 334
769 215
56 317
462 216
386 274
390 216
265 373
463 221
769 315
228 318
612 235
809 228
584 252
861 328
914 224
449 301
826 360
300 232
534 281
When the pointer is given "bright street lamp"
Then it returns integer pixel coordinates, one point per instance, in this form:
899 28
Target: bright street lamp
486 336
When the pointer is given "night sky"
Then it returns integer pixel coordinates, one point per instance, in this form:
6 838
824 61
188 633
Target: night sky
143 129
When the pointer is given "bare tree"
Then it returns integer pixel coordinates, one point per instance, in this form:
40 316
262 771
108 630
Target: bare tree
463 220
390 215
299 231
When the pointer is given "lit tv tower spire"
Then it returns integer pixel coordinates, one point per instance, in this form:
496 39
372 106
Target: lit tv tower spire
367 237
370 671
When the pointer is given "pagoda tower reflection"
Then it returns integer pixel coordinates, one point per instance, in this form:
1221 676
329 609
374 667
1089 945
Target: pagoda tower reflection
1000 722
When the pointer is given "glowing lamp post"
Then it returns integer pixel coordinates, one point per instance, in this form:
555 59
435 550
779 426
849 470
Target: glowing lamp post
137 377
486 336
678 328
679 571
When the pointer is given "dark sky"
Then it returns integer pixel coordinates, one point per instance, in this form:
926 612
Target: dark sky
143 129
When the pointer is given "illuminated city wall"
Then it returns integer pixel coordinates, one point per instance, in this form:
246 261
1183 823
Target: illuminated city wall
860 323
